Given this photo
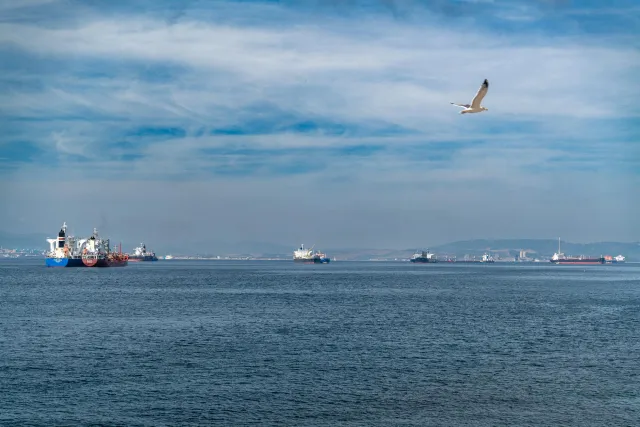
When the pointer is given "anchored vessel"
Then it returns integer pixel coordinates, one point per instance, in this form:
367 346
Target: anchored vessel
486 258
69 251
140 254
424 257
309 257
614 260
560 258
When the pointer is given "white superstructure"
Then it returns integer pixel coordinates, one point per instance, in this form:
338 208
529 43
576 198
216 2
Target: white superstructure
303 253
487 258
424 254
140 250
558 255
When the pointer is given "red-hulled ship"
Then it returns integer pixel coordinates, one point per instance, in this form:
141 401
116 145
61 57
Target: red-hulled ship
97 253
560 258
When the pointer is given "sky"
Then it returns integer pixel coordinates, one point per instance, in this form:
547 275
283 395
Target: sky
323 122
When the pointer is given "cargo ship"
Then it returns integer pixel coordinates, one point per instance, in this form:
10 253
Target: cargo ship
309 257
69 251
560 258
424 257
486 259
140 254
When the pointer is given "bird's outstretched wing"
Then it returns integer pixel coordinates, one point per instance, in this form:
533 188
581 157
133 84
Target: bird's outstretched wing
462 105
481 93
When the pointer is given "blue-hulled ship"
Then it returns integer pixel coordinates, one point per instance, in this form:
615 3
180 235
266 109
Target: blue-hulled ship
424 257
307 256
140 254
68 251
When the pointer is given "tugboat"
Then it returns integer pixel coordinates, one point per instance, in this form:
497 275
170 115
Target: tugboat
619 259
424 257
140 254
608 259
307 256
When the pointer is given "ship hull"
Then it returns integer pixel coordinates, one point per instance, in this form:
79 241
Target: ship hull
580 262
312 260
423 260
64 262
471 261
90 261
133 258
594 261
112 263
79 262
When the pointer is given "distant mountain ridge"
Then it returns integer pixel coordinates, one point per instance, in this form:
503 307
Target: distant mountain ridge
504 248
541 247
24 241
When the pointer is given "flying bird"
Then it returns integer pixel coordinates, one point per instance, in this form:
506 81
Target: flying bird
475 106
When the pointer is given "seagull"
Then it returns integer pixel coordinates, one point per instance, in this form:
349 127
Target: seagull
475 107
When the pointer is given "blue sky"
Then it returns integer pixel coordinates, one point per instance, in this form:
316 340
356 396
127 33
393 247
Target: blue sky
321 121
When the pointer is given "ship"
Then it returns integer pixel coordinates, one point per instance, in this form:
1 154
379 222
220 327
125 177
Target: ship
486 259
424 257
70 251
309 257
619 259
561 258
140 254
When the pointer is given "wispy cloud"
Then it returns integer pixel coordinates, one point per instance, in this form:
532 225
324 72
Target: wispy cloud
350 99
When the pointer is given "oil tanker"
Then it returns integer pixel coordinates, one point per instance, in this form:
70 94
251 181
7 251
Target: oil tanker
560 258
69 251
424 257
307 256
140 254
486 259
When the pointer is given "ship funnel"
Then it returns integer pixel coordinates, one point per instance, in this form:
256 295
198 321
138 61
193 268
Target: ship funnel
62 235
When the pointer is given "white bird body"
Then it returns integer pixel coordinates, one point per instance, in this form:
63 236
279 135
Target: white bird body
475 106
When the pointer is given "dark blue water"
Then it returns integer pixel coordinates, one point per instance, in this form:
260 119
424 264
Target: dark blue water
273 343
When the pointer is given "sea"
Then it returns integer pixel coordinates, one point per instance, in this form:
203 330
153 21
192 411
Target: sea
273 343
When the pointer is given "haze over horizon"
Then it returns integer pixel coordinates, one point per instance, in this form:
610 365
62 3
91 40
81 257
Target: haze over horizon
320 122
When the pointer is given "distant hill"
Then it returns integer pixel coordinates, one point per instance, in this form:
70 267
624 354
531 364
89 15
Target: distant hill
504 248
542 248
24 241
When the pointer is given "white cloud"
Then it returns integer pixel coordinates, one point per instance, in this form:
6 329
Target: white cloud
549 98
395 73
9 5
